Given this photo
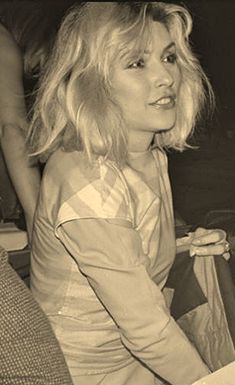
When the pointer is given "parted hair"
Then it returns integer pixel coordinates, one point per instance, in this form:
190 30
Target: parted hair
75 109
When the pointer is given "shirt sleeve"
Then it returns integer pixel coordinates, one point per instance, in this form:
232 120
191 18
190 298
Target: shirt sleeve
103 195
110 254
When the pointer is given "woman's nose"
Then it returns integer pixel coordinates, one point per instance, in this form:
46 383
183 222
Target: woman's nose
162 76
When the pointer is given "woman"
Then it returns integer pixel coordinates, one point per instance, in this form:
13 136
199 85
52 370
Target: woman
121 86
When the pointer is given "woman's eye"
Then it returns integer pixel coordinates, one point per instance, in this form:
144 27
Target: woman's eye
171 58
137 64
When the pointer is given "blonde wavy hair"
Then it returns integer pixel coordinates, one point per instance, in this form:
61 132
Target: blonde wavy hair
75 109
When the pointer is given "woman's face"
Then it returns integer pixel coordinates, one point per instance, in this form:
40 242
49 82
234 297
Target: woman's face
146 88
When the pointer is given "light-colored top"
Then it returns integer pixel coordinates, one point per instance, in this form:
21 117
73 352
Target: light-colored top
102 249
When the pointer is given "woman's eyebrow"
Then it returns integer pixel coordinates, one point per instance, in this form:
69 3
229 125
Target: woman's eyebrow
127 53
168 47
148 51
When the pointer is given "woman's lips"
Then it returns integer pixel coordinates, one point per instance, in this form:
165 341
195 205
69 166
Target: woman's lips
166 102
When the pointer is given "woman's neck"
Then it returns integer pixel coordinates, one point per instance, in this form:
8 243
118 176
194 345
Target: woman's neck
139 141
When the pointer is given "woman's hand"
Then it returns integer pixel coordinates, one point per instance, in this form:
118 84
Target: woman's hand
206 242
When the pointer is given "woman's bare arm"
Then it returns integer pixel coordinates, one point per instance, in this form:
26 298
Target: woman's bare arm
13 127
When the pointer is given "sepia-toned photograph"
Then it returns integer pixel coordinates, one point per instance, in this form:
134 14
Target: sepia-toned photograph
117 192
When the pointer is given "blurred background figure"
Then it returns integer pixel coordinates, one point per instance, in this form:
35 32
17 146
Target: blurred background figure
27 32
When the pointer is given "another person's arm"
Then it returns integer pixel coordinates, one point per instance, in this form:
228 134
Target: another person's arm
13 127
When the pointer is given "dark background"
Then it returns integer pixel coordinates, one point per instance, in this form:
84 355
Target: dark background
204 179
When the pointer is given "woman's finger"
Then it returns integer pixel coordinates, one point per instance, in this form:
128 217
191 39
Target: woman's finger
215 249
200 231
209 236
